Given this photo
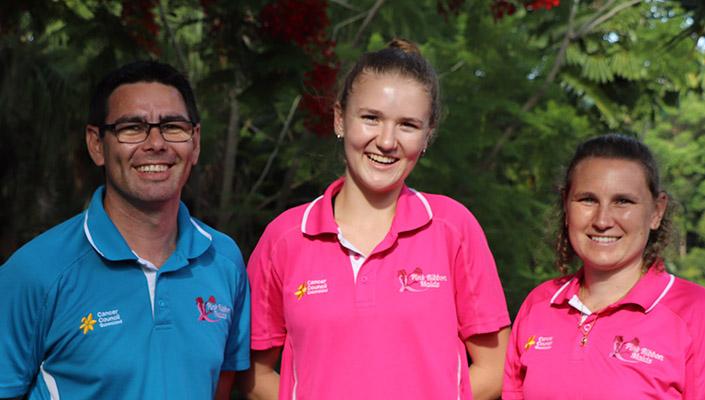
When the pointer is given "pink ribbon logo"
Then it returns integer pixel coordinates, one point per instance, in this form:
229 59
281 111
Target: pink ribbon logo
623 351
203 308
408 280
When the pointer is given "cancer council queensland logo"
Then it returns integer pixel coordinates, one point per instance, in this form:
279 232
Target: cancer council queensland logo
87 323
105 319
311 287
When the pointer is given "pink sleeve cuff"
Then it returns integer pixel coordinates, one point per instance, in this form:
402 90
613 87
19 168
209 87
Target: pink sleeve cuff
267 343
485 327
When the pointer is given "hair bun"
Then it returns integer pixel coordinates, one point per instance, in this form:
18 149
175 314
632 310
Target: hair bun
404 45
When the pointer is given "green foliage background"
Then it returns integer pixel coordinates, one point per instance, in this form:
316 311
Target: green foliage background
519 93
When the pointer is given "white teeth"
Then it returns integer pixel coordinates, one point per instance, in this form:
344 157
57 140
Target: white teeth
152 168
604 239
381 159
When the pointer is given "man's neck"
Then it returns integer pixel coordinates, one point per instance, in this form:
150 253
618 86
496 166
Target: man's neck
150 230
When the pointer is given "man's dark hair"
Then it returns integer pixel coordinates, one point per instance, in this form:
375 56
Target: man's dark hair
140 71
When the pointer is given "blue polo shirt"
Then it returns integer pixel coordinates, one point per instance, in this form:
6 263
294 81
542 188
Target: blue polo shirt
84 317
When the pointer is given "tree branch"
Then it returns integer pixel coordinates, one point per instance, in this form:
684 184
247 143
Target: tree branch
589 26
536 97
586 28
345 22
370 16
180 58
454 68
231 145
345 4
273 155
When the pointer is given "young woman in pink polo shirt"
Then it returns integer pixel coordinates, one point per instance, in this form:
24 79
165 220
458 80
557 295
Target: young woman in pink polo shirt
621 327
374 290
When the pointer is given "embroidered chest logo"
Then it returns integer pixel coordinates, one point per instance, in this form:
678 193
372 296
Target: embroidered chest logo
539 342
417 281
632 352
210 311
87 323
311 287
105 319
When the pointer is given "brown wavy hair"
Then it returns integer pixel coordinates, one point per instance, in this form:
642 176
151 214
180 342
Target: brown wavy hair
622 147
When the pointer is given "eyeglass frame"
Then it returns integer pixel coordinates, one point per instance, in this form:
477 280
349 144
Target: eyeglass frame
111 127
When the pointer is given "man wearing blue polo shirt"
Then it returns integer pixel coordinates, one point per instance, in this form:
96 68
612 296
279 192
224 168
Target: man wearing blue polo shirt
133 298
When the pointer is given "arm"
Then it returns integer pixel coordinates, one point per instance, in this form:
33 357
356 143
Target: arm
487 352
23 322
225 385
237 348
695 356
261 382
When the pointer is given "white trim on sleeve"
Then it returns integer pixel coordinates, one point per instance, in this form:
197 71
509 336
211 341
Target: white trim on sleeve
50 382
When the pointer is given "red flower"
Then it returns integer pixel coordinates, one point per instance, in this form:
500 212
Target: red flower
140 21
319 98
500 8
447 7
302 22
211 300
539 4
206 5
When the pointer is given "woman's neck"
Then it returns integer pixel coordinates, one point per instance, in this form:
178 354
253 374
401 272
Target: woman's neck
364 218
601 288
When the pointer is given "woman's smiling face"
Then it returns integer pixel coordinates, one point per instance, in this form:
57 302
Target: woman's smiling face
610 212
385 126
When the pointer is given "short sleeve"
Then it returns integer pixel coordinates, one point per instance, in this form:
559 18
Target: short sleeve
514 372
21 318
268 328
480 300
237 349
695 361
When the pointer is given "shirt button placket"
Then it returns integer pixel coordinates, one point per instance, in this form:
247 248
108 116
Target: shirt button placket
365 290
162 313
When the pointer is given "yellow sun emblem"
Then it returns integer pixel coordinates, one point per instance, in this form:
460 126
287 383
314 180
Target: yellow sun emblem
530 342
87 323
301 291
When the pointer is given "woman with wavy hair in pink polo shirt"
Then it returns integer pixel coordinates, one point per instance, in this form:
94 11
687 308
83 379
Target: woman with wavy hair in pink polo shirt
374 290
621 327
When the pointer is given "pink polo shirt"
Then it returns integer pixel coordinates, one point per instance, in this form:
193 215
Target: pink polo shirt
649 345
394 329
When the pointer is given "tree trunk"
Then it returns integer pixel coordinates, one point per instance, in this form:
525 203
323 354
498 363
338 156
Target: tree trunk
231 144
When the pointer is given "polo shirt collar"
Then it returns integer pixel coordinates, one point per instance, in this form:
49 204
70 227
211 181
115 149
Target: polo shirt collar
647 293
104 237
413 211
